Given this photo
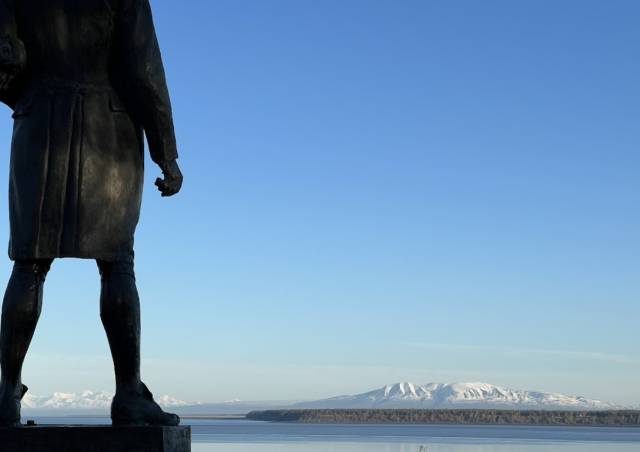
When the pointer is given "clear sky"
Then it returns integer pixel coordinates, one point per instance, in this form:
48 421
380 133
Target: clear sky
380 191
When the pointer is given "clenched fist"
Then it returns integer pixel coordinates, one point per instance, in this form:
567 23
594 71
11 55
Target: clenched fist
172 181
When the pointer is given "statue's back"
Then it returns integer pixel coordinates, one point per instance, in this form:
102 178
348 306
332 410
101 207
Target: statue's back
68 39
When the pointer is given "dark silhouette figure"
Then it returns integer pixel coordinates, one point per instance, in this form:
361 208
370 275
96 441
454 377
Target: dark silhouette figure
85 81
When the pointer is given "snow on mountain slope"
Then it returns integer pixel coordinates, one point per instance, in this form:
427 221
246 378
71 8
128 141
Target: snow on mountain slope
457 395
85 400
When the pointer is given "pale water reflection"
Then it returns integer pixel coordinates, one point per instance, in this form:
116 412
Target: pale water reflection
248 436
431 447
211 435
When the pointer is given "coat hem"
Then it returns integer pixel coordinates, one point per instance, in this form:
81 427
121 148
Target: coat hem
107 257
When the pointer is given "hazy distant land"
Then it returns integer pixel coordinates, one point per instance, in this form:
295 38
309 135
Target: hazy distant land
618 418
477 403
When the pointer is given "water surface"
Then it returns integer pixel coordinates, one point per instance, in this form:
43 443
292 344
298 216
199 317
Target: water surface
255 436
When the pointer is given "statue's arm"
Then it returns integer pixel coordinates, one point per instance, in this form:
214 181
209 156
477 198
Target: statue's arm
13 57
139 70
143 78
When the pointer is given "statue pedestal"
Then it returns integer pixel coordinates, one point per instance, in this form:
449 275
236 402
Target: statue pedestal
95 438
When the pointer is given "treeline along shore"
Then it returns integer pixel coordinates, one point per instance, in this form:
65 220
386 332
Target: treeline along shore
626 418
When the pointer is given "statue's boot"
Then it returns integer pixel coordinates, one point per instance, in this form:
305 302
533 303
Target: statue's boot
137 407
10 397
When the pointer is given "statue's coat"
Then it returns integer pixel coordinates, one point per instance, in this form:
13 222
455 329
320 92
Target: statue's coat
80 110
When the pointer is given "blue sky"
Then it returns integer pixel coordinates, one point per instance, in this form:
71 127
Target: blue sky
380 191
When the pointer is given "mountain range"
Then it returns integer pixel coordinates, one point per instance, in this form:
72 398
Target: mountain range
457 395
89 402
399 395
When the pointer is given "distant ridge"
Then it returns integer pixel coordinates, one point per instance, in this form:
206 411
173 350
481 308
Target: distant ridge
610 418
456 396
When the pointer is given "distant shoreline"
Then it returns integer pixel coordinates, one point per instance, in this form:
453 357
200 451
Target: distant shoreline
617 418
220 417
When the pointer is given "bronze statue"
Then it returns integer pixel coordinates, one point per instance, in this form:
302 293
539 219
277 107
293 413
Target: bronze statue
85 80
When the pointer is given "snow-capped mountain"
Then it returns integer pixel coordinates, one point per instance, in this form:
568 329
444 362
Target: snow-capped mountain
457 395
85 400
399 395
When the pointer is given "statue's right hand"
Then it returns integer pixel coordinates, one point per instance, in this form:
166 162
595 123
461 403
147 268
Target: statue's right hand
13 55
5 80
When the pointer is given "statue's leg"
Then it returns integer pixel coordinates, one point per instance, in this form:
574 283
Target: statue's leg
120 314
20 312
